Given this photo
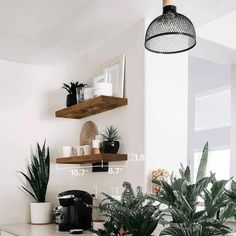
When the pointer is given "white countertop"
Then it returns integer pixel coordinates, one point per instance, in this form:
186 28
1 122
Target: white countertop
42 230
36 230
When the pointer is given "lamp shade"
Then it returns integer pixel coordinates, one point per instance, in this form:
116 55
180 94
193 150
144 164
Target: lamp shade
170 33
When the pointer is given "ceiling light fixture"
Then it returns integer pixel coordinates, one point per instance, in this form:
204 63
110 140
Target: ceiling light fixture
171 32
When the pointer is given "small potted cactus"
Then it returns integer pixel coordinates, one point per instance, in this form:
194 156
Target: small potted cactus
111 143
71 89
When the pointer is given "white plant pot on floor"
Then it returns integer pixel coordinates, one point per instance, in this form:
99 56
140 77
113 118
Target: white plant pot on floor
40 212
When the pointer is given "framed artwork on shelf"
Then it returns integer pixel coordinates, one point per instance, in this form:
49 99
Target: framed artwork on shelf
114 71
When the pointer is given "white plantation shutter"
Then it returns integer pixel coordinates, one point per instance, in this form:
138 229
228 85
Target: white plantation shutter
213 110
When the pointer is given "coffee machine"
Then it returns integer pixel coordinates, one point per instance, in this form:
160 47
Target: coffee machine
76 210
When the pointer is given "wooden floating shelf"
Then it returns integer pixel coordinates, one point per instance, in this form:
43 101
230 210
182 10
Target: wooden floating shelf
92 107
107 157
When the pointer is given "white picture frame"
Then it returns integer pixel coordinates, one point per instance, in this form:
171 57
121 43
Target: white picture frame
114 70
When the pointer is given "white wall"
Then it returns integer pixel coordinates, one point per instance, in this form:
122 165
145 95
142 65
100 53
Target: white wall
29 96
166 111
233 121
205 76
129 119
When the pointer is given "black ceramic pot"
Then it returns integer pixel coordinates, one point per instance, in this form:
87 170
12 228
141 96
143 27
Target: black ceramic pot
71 100
110 147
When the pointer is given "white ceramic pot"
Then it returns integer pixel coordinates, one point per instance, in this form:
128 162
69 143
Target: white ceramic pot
40 212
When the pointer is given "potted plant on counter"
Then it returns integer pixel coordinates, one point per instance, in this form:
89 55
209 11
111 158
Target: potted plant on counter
37 178
71 98
135 214
111 143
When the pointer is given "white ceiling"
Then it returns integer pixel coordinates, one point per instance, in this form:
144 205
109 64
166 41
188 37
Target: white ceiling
56 31
221 31
217 40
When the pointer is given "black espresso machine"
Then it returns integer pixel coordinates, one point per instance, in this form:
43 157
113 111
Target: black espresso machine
76 210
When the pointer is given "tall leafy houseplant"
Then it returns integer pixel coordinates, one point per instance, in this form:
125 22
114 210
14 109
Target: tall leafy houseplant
37 179
135 213
181 198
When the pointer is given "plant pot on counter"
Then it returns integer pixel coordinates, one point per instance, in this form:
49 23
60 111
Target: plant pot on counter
110 147
40 212
71 100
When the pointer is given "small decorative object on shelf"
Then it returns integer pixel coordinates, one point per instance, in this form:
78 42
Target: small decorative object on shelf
114 71
71 89
80 92
111 143
88 93
159 174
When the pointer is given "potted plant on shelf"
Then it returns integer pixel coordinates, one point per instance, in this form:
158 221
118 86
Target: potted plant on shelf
111 143
135 214
37 178
185 215
71 89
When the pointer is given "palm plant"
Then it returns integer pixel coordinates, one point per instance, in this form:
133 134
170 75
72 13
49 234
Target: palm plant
38 173
71 88
182 197
135 212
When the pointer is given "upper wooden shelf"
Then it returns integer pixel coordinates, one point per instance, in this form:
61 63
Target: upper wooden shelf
92 107
107 157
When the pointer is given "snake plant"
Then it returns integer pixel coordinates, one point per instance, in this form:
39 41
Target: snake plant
38 174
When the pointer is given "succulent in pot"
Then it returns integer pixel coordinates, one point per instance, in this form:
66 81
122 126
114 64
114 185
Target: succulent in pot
111 143
71 98
37 179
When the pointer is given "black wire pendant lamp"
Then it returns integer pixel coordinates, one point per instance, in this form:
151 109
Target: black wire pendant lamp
171 32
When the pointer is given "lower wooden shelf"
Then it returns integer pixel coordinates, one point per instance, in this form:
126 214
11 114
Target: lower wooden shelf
107 157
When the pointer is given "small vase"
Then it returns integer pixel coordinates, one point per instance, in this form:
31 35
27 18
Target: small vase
71 100
40 212
80 94
110 147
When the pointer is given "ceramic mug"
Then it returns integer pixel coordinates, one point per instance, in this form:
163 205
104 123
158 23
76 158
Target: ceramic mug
87 149
88 93
66 151
83 150
79 151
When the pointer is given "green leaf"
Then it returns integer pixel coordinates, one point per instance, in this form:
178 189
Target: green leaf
187 174
203 163
228 212
233 186
173 231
